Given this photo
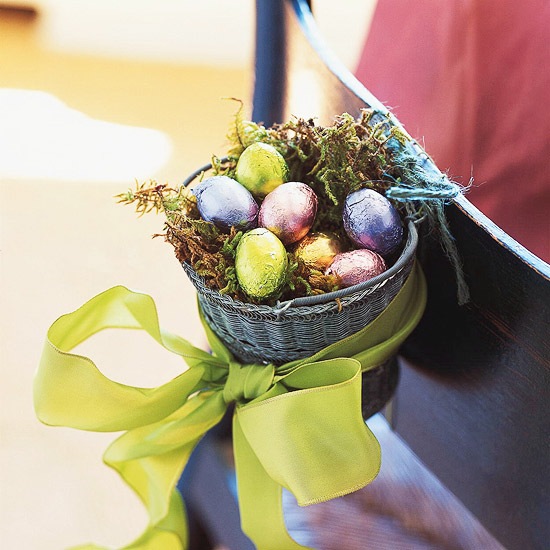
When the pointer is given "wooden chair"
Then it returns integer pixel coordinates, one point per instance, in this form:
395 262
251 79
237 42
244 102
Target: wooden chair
472 402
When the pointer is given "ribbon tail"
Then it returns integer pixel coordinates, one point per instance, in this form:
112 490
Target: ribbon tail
151 459
260 499
169 534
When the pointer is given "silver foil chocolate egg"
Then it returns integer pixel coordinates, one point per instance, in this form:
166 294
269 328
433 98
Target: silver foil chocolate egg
261 263
356 266
289 211
226 203
371 221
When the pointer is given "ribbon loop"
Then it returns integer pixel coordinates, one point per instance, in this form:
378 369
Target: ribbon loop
301 435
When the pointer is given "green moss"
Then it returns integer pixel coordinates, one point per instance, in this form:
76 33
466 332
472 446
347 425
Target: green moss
367 151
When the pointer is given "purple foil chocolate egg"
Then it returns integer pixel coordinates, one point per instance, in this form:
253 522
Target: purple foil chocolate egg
289 211
371 221
226 203
356 266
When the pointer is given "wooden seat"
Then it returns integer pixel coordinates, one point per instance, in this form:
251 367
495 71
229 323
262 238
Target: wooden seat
473 398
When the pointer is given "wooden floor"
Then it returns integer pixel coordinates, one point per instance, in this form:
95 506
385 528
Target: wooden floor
405 508
63 240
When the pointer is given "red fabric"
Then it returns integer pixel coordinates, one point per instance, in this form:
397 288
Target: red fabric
470 79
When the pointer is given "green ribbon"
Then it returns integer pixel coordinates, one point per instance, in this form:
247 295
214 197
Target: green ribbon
297 426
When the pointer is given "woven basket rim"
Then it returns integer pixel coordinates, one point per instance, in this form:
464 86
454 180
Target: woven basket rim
352 293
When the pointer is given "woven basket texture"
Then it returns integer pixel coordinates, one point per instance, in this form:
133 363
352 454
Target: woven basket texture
301 327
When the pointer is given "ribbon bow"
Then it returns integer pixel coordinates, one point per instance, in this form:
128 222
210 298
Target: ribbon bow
297 426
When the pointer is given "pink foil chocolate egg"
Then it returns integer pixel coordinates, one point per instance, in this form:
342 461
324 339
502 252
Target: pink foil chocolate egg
356 266
289 211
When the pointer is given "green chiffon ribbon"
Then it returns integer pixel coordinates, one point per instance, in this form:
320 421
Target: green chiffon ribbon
297 426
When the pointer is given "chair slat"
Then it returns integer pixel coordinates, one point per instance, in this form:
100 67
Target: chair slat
473 401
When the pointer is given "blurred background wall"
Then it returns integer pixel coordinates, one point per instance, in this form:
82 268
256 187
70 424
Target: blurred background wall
95 95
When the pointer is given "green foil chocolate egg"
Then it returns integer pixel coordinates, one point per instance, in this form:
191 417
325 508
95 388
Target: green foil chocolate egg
261 168
261 263
317 250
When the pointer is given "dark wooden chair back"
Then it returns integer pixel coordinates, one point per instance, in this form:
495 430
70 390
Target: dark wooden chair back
472 401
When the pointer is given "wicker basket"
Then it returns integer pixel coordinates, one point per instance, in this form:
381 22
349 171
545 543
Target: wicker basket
301 327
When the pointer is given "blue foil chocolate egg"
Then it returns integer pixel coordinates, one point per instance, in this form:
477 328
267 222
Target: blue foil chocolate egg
226 203
356 266
371 221
289 211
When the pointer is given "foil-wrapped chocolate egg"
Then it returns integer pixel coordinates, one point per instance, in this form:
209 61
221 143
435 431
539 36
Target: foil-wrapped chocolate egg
226 203
371 221
289 211
261 168
356 266
317 250
261 263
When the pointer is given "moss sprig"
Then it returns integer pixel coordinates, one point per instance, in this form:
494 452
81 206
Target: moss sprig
151 196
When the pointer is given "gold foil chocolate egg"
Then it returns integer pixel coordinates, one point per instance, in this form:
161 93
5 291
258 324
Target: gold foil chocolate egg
261 168
356 266
289 211
317 250
261 263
